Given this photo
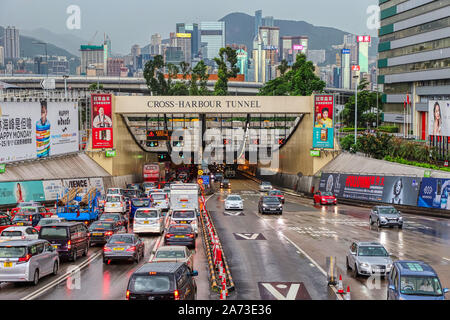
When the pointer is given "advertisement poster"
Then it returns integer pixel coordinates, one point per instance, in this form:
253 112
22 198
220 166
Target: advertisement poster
434 193
323 131
384 189
102 131
75 183
439 118
53 189
98 183
30 130
15 192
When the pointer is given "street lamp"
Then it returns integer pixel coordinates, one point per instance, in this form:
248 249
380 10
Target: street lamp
65 85
46 56
356 104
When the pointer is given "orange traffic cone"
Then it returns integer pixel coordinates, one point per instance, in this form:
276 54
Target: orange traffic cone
347 296
340 286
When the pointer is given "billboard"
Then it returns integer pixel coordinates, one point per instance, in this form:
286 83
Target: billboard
14 192
30 130
53 189
323 131
434 193
439 118
363 56
102 132
375 188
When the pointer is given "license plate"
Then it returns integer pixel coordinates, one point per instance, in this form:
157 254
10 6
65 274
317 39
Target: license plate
20 224
183 221
97 234
273 209
55 246
179 236
146 222
8 265
377 270
113 205
184 206
118 249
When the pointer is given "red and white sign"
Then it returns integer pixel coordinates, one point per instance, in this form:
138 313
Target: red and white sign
297 47
363 38
102 125
356 68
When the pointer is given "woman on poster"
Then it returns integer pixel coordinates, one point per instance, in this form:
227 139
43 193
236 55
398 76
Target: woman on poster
437 127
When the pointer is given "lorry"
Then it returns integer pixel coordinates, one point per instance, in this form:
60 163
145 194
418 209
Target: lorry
184 196
77 206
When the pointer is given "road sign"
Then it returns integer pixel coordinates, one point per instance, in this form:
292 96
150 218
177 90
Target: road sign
200 172
200 181
110 153
2 168
205 179
356 68
427 174
48 84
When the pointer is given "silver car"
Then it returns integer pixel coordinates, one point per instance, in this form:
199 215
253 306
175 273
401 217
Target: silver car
27 260
234 201
265 186
386 216
174 254
368 258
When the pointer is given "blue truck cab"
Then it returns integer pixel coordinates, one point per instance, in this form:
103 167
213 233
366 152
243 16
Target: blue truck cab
137 203
414 280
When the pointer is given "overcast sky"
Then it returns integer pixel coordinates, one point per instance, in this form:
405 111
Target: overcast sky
133 21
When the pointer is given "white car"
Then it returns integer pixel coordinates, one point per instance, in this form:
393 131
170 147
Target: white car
234 201
112 191
188 216
265 186
19 233
160 200
115 203
174 254
148 220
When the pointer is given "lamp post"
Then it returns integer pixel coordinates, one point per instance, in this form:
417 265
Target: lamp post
356 104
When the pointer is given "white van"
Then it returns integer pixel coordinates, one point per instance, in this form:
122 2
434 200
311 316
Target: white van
148 220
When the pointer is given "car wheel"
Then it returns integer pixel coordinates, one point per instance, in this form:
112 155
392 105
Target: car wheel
105 261
400 226
85 252
55 268
347 264
370 221
138 258
74 255
378 223
35 278
355 271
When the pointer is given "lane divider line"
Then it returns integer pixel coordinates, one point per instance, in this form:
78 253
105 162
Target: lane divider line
62 278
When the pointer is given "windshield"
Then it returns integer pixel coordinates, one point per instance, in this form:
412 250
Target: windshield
113 199
372 251
26 204
101 225
234 198
120 238
387 210
129 193
12 252
140 202
420 285
158 196
53 233
11 233
172 254
28 210
4 221
109 216
146 214
44 222
327 194
156 283
275 193
265 183
271 200
113 191
22 217
180 229
183 215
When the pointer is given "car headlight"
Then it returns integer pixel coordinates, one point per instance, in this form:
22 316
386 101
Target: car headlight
382 218
400 218
388 266
280 205
364 265
265 205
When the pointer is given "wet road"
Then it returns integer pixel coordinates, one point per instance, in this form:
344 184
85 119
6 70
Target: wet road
319 231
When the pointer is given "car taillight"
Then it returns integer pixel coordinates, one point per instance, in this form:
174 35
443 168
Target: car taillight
106 249
88 234
128 294
176 295
133 248
190 235
23 237
108 233
69 244
169 235
24 259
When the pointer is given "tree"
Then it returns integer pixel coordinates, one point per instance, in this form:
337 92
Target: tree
154 76
283 67
200 74
299 81
94 86
226 56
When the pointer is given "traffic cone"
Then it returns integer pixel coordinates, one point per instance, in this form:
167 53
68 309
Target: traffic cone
347 296
7 212
223 295
340 286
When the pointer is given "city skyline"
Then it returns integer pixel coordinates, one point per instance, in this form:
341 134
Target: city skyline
136 11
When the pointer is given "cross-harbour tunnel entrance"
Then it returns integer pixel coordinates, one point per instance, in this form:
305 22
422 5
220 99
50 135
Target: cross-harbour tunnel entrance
274 133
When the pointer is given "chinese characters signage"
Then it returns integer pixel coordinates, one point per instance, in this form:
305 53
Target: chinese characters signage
323 131
102 131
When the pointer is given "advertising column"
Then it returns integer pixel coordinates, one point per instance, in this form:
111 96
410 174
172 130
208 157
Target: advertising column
102 131
323 131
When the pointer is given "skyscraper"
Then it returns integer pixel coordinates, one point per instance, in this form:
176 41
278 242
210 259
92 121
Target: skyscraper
191 28
108 45
213 34
155 44
363 53
135 52
258 22
242 57
12 43
183 41
345 69
292 45
268 21
91 55
2 56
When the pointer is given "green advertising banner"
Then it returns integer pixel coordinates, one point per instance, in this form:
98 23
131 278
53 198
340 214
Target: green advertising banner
2 168
14 192
314 153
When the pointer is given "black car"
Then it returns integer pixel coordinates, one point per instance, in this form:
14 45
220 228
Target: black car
218 177
162 281
101 231
270 204
124 246
180 235
225 184
131 193
117 217
70 239
134 186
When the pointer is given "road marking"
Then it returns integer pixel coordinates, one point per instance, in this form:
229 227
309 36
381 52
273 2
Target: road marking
233 213
446 258
249 236
283 291
63 277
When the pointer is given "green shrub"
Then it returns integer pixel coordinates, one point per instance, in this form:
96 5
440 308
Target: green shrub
415 163
347 142
389 129
347 129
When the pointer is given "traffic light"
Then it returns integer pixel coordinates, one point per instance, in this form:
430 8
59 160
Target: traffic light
181 154
178 143
152 144
162 157
255 141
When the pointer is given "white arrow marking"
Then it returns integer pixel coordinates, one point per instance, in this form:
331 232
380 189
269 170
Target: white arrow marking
292 293
248 236
232 213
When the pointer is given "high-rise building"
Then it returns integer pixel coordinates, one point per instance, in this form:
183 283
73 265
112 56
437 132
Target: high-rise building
270 37
2 56
316 56
58 66
90 54
183 41
155 44
337 77
173 55
346 80
293 45
114 67
258 22
213 34
135 52
193 29
268 21
11 40
108 45
242 57
40 65
414 60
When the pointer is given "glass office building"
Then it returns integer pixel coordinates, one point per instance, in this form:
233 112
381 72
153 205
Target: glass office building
213 34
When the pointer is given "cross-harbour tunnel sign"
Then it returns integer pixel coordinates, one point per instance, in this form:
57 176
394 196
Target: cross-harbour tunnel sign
206 104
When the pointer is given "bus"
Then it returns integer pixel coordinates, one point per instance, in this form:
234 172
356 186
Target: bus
152 173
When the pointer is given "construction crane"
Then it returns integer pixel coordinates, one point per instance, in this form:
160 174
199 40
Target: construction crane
92 39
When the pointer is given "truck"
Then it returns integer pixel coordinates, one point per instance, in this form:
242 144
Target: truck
78 206
184 196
